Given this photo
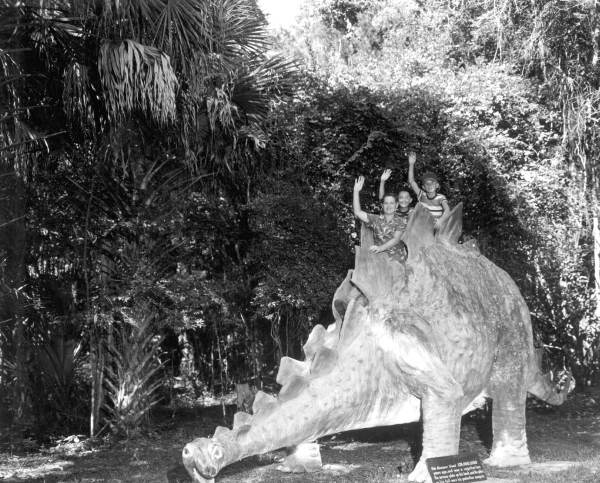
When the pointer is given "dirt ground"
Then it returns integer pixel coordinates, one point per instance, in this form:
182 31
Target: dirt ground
564 444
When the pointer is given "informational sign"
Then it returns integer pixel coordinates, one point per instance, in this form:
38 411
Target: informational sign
455 469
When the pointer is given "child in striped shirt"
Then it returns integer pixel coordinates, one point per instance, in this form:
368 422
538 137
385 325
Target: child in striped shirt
435 202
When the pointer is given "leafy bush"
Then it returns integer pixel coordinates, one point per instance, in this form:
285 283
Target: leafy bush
308 255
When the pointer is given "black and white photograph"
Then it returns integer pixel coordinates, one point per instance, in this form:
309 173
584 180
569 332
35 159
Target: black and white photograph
296 241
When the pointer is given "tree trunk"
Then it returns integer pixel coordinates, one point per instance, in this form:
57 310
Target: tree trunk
596 252
595 30
97 373
13 156
12 249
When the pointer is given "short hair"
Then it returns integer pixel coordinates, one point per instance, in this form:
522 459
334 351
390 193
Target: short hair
430 175
406 188
389 193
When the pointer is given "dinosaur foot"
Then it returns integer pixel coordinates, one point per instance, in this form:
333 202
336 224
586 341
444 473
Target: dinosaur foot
304 458
420 473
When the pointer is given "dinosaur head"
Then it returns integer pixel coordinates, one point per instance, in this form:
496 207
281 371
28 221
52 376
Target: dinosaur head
203 458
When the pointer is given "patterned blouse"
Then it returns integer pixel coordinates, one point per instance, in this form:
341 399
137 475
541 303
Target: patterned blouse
384 230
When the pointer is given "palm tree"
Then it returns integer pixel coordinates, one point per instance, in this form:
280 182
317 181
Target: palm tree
198 67
108 74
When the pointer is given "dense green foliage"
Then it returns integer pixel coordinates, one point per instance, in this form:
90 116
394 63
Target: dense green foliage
501 101
187 193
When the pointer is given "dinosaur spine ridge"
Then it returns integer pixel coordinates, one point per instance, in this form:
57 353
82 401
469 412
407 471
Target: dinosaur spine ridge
223 433
314 342
451 228
292 388
293 375
263 402
241 419
290 368
319 338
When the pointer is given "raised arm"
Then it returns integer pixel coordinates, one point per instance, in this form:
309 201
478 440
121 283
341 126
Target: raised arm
412 159
358 212
384 177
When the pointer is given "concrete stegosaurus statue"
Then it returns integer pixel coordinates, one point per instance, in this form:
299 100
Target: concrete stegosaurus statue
433 337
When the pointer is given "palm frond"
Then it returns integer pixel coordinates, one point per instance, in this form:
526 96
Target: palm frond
221 110
241 28
20 142
120 19
53 30
137 77
257 85
132 376
211 36
58 359
76 94
184 30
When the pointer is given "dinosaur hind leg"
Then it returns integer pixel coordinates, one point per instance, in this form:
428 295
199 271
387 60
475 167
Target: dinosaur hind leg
441 432
508 423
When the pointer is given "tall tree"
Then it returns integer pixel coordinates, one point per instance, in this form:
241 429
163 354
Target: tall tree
109 78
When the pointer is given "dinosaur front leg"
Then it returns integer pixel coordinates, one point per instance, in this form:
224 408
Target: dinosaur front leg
508 423
441 432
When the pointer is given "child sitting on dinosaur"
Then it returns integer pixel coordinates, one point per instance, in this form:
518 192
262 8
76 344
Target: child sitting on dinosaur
428 194
388 227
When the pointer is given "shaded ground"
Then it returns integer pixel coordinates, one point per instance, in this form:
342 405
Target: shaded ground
569 433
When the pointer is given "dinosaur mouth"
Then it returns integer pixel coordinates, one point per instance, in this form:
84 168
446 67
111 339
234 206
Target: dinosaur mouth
199 478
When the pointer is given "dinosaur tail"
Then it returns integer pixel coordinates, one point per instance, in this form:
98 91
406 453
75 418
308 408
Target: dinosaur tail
544 387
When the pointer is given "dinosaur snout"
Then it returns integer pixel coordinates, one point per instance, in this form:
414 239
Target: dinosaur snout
198 462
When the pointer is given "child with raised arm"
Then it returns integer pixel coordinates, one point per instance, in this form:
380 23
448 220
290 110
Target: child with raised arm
387 228
435 202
